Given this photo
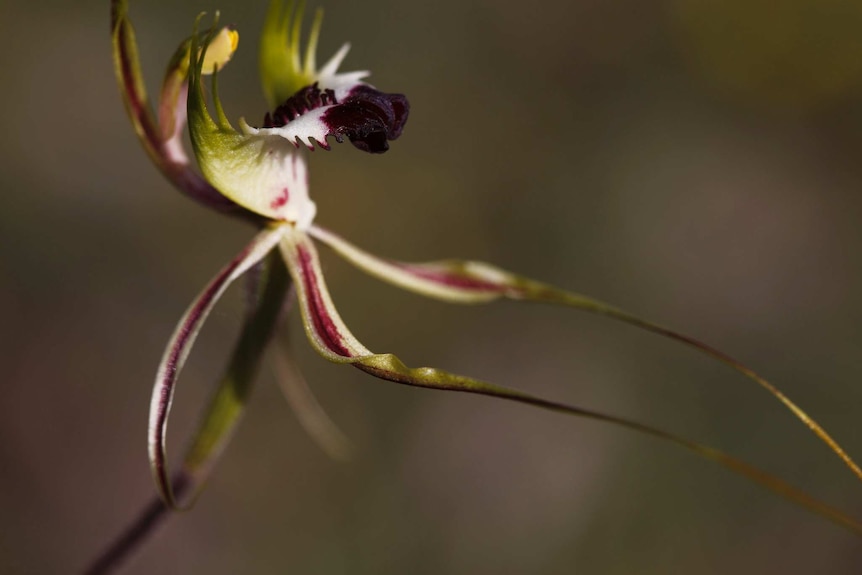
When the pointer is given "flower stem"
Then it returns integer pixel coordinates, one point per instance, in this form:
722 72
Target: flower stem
149 518
219 419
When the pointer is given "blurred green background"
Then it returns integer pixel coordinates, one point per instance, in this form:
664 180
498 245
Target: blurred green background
695 162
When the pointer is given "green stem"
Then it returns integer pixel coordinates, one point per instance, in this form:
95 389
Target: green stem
219 420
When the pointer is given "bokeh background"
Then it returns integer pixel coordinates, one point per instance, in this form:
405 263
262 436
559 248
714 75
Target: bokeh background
696 162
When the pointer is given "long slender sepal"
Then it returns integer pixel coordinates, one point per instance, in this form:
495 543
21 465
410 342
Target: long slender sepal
228 402
128 71
470 282
219 419
179 347
333 340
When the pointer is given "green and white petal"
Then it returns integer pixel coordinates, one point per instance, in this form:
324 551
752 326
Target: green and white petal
452 281
262 173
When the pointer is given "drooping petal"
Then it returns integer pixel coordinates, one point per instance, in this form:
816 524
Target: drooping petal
331 338
477 282
160 145
178 349
261 173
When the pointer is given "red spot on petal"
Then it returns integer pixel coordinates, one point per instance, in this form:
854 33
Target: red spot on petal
281 200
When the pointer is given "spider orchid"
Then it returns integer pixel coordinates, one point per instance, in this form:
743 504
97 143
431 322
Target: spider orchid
259 174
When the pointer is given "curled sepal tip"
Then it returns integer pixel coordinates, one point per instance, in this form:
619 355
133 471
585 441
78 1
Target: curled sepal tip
179 347
459 281
261 173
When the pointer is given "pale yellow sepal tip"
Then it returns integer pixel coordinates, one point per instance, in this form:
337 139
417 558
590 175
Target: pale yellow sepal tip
220 50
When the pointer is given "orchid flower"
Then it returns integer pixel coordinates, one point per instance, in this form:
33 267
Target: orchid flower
259 174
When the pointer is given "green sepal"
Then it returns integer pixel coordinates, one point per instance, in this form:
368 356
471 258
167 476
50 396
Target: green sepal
162 143
283 70
390 368
224 155
228 403
258 172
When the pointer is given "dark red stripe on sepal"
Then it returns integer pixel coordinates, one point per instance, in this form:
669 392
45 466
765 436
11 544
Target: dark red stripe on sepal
179 347
324 324
128 71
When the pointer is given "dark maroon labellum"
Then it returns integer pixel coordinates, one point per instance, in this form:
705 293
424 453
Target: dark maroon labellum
305 100
369 118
